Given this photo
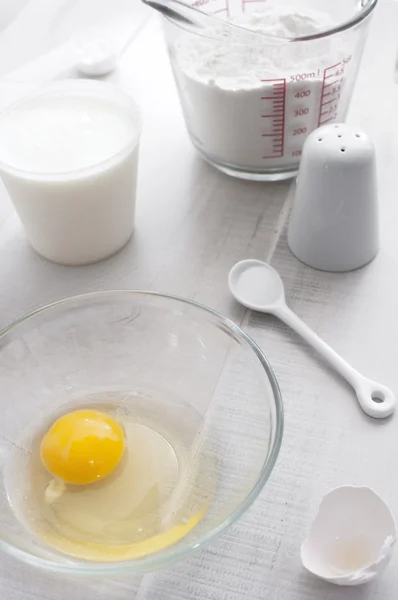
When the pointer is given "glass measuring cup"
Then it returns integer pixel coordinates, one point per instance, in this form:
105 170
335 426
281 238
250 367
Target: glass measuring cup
249 104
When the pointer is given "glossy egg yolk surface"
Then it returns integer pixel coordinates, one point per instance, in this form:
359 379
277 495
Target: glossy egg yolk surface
82 447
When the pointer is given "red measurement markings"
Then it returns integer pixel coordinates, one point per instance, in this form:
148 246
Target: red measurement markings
200 3
274 104
222 10
222 7
330 95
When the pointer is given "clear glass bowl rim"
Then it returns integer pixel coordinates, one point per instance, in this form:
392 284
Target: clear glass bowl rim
173 553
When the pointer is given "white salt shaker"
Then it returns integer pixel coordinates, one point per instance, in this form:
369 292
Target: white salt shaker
334 221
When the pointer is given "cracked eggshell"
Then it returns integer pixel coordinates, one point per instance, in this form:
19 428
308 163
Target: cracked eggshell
351 540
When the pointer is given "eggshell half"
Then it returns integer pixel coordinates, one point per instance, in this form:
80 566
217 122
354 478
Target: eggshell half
354 525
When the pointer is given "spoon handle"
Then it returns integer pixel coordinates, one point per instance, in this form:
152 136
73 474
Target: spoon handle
375 399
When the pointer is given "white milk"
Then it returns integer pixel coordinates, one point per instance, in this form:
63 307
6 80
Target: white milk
68 157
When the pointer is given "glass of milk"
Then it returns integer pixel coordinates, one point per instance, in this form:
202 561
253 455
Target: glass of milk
68 158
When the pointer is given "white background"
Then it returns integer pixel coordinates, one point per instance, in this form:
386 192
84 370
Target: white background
192 225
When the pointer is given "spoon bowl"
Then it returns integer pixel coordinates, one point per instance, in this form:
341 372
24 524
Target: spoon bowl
256 285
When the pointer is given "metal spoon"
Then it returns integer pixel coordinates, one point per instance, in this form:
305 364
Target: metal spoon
259 287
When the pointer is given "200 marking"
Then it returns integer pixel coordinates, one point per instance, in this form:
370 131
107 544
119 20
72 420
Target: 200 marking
300 131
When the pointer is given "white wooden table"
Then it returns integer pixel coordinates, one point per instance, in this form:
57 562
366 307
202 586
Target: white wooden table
193 223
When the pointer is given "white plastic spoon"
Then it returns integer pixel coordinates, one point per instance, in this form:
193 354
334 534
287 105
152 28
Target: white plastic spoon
259 287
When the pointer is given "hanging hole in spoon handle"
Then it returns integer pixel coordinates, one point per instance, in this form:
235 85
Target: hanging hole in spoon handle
376 400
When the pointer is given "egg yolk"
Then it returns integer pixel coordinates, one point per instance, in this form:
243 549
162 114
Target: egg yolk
82 447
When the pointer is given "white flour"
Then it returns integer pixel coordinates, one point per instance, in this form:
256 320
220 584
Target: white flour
235 117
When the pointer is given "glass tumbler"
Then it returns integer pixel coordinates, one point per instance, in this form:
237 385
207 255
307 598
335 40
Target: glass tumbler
250 98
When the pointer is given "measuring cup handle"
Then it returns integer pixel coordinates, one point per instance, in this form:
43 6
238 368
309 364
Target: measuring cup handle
377 400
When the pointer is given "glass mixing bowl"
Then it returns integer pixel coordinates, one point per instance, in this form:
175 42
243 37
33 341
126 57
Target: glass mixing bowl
184 365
